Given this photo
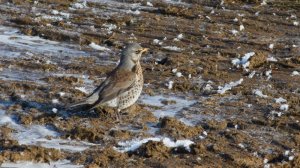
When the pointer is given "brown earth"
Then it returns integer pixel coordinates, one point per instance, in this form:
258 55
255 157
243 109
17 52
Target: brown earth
242 128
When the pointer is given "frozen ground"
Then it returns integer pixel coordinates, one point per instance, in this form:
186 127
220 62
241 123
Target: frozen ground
221 83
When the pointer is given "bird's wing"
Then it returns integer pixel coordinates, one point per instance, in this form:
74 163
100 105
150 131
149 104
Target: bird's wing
92 98
119 82
116 83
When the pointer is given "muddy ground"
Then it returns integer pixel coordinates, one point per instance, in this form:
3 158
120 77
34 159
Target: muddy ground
235 113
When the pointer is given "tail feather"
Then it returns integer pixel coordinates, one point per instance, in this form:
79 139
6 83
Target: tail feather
77 104
88 102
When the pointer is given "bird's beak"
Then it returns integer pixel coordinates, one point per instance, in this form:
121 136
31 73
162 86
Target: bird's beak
144 50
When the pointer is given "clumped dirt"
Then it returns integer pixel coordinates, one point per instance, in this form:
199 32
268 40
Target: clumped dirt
14 152
240 128
174 128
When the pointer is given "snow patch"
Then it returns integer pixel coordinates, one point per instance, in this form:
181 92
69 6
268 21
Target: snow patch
295 73
55 101
178 74
234 32
12 38
149 4
78 5
61 94
65 15
56 18
98 47
242 27
251 75
136 12
134 144
284 107
259 93
41 136
264 2
179 37
82 89
110 27
244 61
229 86
29 164
272 59
170 109
170 84
280 100
54 110
172 48
268 74
158 42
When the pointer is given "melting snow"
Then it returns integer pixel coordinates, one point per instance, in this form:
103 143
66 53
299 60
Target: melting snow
259 93
156 41
98 47
172 48
170 84
166 109
251 74
272 59
54 110
180 36
178 74
57 18
279 114
242 27
268 74
110 27
65 15
136 143
55 101
79 5
11 38
82 89
280 100
39 135
28 164
61 94
295 73
234 32
244 61
284 107
136 12
264 2
229 86
149 4
291 158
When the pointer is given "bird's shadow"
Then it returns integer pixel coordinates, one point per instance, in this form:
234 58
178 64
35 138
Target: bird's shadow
48 109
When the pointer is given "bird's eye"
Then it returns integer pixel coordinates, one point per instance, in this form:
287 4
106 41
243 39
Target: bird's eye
137 52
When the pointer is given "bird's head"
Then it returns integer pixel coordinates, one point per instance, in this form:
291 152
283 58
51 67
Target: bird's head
131 54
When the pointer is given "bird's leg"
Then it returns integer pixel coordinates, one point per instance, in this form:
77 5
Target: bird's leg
118 116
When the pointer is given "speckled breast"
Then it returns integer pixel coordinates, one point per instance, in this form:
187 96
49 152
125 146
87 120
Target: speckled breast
129 97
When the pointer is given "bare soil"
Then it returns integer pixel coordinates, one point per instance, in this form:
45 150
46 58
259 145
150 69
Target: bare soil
242 128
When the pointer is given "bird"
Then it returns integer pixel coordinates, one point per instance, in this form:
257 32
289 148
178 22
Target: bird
122 86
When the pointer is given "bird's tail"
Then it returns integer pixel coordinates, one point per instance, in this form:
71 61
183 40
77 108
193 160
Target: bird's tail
87 103
77 104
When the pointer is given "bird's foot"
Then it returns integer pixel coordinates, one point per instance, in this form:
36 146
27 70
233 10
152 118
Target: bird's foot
118 117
